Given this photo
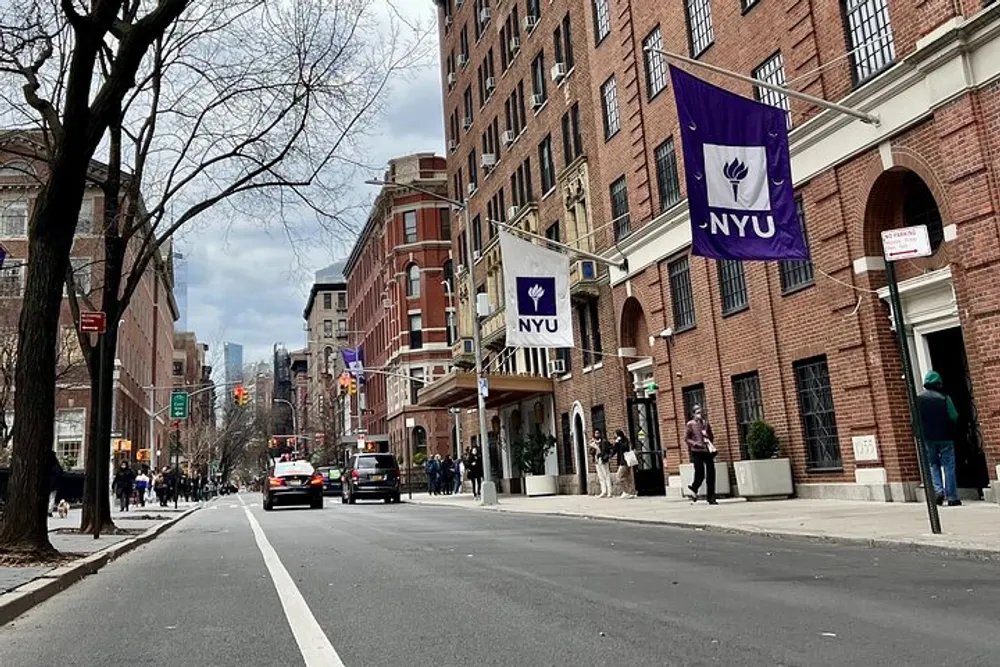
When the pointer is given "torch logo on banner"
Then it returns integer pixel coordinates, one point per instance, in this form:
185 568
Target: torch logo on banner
536 304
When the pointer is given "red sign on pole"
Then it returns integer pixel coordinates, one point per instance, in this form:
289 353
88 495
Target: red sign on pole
93 322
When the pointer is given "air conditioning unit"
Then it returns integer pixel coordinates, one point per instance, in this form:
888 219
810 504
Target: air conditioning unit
511 212
387 303
452 145
537 100
471 188
557 366
491 83
558 72
463 60
529 22
488 160
586 269
448 21
515 44
466 122
476 255
452 78
485 14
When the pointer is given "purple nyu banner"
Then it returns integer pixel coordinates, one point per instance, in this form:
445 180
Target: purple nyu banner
354 360
738 174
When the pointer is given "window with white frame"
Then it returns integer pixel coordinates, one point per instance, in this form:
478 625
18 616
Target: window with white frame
416 384
699 19
327 328
869 37
609 104
602 20
13 219
772 71
413 280
416 332
410 226
69 436
656 63
82 270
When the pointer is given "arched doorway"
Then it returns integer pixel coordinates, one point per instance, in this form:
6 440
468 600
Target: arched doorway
903 198
643 425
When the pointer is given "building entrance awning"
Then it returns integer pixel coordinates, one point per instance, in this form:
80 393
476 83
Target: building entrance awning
459 390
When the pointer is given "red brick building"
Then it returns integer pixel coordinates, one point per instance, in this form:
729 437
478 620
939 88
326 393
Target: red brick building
399 311
522 139
146 336
808 346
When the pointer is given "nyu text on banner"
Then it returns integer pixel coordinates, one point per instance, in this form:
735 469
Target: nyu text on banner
738 174
536 286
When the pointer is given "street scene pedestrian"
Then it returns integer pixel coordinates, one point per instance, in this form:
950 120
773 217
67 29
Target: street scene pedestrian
938 417
55 478
475 468
601 450
702 451
447 475
627 462
123 485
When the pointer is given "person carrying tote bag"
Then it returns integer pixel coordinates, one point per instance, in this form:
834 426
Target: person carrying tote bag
628 460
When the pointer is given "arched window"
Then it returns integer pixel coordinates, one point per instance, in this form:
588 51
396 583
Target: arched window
413 280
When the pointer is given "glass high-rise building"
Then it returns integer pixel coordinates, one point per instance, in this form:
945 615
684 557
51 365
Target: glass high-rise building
233 363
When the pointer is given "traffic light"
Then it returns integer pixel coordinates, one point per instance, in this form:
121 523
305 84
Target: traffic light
240 396
354 386
343 384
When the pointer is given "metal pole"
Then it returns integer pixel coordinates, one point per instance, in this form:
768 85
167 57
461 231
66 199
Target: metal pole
152 429
489 491
620 265
871 119
911 396
102 494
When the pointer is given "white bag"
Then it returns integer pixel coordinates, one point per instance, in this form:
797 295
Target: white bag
631 459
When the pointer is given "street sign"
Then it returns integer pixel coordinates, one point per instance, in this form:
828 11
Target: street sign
361 442
93 321
484 387
906 243
179 405
142 455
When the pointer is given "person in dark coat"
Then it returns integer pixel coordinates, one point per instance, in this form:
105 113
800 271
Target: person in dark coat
447 475
123 485
938 417
55 479
701 448
475 474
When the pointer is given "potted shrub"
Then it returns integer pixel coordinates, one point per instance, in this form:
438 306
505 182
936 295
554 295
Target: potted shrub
764 475
530 454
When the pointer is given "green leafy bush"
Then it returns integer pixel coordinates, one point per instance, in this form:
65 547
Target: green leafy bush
531 452
762 443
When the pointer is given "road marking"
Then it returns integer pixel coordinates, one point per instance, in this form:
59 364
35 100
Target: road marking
314 645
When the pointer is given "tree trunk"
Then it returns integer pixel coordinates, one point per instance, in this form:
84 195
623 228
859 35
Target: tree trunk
50 236
96 491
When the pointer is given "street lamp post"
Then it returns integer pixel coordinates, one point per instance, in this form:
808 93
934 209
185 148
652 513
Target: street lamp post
291 408
489 491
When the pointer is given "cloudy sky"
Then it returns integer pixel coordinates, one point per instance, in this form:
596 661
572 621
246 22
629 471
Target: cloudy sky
249 284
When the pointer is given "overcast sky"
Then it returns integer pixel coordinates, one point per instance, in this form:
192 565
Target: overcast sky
249 285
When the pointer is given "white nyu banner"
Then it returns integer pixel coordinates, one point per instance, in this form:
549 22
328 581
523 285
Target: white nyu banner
536 284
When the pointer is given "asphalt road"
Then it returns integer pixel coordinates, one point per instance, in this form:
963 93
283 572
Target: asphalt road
372 585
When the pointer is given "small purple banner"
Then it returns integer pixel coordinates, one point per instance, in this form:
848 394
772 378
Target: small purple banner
738 174
354 361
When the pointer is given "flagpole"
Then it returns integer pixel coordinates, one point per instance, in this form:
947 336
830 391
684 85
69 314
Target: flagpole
621 266
871 119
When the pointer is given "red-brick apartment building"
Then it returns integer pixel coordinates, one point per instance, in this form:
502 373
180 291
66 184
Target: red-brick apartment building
523 138
399 277
146 338
809 346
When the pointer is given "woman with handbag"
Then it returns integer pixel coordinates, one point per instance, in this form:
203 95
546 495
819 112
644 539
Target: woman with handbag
601 449
627 461
701 449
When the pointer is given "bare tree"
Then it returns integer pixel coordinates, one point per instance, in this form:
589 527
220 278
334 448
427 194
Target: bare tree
246 109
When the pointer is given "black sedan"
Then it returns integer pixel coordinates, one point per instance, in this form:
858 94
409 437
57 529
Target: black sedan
293 483
332 480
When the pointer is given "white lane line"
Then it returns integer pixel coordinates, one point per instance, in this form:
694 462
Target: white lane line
313 643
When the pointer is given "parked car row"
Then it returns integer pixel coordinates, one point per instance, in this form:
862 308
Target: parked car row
368 476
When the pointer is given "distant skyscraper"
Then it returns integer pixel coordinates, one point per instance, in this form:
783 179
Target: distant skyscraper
181 290
233 360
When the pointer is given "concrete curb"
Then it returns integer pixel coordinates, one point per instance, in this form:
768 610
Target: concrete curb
957 551
33 593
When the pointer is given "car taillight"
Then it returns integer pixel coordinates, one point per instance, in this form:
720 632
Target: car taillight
276 481
317 480
354 475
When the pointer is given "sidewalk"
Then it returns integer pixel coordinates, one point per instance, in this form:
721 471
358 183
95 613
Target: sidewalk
23 587
973 529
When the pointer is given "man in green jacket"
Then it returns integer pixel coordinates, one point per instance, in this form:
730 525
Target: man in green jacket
938 417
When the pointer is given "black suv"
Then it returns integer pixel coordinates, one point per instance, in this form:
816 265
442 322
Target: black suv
371 476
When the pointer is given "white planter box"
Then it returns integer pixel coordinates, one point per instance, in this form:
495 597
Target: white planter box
541 485
721 479
764 478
